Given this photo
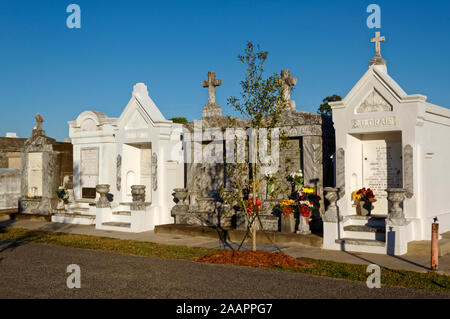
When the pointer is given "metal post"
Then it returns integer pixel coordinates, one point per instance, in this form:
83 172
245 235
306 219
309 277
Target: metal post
434 245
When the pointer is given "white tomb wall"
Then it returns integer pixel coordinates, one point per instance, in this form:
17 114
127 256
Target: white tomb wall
424 127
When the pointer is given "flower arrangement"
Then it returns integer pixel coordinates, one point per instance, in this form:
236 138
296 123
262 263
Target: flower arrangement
62 195
249 207
297 178
363 195
307 200
363 199
287 207
271 182
250 186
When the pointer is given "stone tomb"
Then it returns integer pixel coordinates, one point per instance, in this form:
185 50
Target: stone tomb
310 145
397 145
140 150
46 163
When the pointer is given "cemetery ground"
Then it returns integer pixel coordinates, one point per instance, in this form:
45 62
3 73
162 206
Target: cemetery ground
171 268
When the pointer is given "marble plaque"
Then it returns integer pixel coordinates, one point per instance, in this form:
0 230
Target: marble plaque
89 167
35 174
382 169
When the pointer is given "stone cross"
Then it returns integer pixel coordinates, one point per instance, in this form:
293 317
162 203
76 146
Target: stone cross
377 40
211 84
286 82
39 121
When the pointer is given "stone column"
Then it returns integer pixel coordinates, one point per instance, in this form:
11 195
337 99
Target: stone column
138 195
395 197
103 190
312 165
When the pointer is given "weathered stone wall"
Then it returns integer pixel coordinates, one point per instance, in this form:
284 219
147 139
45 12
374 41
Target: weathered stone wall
9 188
307 144
9 149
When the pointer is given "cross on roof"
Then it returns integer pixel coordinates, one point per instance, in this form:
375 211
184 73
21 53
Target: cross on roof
286 82
377 40
39 121
211 84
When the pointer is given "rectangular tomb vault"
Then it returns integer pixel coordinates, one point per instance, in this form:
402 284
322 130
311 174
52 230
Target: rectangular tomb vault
388 139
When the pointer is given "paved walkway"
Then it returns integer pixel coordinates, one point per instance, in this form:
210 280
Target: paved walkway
406 262
29 270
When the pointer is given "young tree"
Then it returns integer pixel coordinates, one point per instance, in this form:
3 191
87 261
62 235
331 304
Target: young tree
258 103
325 108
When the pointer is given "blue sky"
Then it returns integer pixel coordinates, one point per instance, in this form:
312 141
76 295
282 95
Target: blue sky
171 45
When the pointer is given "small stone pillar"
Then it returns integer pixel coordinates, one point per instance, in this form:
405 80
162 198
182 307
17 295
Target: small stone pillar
138 195
103 202
395 197
332 225
331 214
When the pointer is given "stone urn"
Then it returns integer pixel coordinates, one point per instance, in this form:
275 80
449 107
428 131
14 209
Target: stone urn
331 214
138 193
181 194
288 223
364 208
102 190
303 226
61 205
395 197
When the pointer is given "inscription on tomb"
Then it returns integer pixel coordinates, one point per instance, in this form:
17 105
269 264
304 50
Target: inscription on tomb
89 169
374 122
382 167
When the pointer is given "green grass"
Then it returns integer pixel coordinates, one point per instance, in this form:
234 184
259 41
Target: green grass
128 247
389 277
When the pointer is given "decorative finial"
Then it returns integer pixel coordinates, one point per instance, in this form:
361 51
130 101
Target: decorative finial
377 59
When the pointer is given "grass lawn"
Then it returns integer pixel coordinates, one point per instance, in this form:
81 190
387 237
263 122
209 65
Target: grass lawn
389 277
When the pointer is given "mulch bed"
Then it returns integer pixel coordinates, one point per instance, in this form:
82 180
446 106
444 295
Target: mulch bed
257 258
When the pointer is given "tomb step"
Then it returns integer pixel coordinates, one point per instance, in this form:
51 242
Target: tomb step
117 224
371 221
74 218
365 232
121 216
362 245
122 213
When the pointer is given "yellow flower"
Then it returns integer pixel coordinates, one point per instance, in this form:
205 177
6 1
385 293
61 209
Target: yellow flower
356 196
287 202
308 190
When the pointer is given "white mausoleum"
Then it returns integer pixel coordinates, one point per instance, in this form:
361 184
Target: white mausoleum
388 139
140 147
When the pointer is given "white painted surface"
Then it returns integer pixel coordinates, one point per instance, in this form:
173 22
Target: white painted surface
375 112
139 132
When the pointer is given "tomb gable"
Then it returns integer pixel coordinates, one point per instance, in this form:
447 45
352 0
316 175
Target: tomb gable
140 110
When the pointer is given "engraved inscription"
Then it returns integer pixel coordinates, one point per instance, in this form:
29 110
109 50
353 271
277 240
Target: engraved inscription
376 122
382 170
